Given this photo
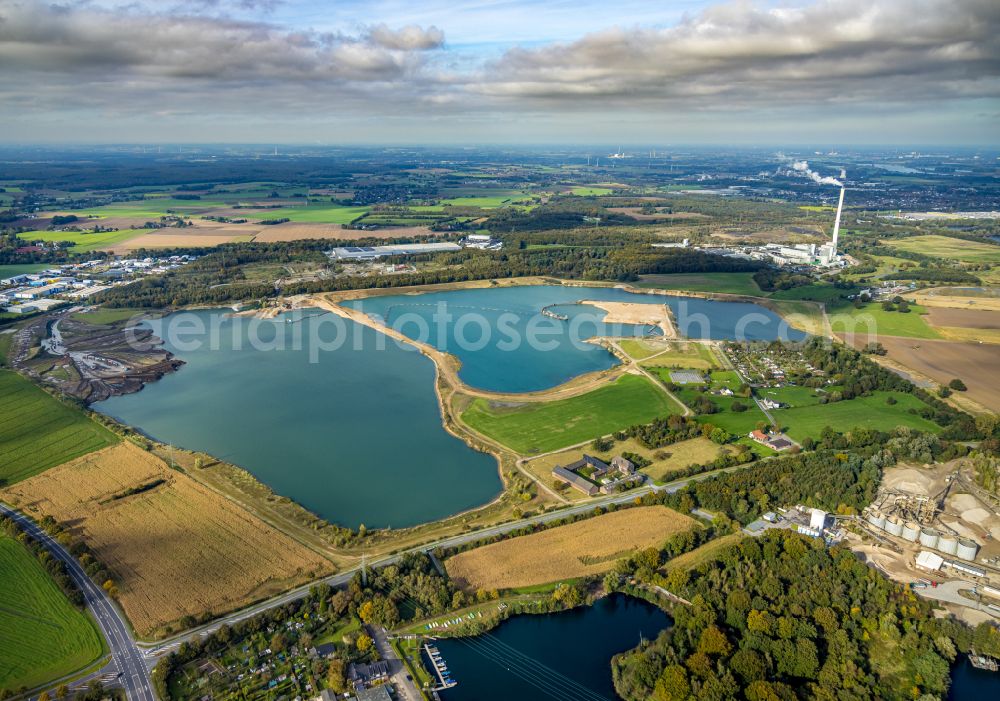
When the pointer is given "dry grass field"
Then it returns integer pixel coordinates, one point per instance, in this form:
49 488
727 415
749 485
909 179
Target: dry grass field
976 364
579 549
167 238
176 548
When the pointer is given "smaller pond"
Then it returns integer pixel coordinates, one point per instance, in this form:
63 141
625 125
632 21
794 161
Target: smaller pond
541 657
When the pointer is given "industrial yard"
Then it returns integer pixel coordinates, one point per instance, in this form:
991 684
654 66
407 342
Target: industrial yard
933 528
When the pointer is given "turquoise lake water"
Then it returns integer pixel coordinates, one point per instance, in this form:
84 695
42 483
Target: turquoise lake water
516 660
487 329
355 438
345 421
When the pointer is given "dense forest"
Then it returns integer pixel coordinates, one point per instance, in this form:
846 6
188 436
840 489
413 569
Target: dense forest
217 277
783 617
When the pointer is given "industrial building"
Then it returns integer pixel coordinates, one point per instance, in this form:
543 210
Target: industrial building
362 253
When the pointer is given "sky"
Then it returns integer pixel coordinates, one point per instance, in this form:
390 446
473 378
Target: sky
630 72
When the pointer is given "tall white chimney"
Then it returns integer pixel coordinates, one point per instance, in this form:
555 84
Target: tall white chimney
836 222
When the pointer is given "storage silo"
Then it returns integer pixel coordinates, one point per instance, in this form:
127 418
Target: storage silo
911 531
929 537
877 519
948 544
967 549
894 526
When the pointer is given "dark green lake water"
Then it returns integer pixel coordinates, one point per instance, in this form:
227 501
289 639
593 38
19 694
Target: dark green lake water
488 329
577 644
971 684
355 437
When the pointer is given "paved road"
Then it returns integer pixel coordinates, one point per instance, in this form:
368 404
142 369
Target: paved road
153 650
125 656
407 688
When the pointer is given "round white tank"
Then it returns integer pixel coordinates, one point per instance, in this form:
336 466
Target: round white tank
911 531
948 544
877 519
894 526
929 537
967 549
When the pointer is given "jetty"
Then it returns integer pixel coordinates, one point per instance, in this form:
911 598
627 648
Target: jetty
983 662
547 311
440 668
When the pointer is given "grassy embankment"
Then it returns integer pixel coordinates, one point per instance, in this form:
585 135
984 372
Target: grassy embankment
532 428
947 247
38 431
42 635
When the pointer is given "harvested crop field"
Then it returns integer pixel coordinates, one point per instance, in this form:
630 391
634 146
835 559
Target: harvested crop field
964 318
210 237
976 364
293 231
578 549
175 547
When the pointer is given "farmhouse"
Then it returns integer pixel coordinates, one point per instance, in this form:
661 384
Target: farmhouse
575 480
583 473
776 442
623 465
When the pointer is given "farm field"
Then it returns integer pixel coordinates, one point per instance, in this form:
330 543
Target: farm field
947 247
565 552
977 364
678 456
873 321
679 354
176 548
581 191
863 412
84 242
964 318
727 283
44 636
538 427
38 431
7 271
318 214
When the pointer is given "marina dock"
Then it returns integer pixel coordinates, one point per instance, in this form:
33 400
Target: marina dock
440 668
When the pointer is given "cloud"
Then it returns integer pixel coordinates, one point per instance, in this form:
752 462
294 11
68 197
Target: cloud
409 38
766 66
87 45
741 54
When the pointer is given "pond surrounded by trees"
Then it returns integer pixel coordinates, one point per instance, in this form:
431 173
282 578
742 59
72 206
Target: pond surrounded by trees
538 657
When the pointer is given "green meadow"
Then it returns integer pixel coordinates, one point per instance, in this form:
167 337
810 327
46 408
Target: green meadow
872 320
44 637
540 427
82 241
7 271
947 247
873 412
38 431
728 283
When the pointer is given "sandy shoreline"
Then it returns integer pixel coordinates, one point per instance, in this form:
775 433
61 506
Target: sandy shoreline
637 313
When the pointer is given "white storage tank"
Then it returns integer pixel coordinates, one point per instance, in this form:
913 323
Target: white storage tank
929 537
967 549
948 544
911 531
894 526
876 519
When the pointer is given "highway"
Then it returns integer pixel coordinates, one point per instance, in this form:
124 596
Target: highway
126 659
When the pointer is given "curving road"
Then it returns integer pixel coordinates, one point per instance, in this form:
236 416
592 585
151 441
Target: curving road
126 659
